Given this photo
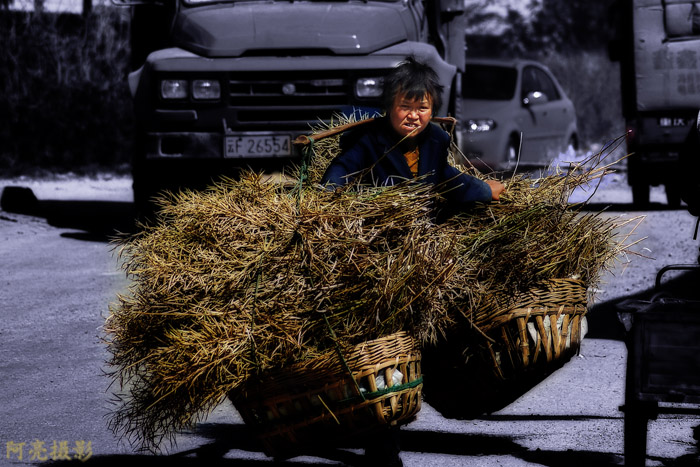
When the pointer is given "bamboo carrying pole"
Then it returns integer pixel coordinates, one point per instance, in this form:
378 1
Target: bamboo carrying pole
305 140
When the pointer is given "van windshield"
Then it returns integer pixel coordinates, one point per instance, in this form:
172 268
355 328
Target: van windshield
489 82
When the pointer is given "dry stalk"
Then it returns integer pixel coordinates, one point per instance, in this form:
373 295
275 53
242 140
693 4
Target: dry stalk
247 276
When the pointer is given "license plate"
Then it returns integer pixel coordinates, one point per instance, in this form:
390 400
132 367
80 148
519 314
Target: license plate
672 122
257 145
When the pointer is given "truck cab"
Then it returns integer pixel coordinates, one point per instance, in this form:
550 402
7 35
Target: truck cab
658 47
219 86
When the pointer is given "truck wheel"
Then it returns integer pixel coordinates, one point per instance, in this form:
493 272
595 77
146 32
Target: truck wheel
145 179
144 189
640 195
673 196
454 109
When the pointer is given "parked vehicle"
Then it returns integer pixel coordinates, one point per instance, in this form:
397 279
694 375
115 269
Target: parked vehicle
514 112
657 47
224 84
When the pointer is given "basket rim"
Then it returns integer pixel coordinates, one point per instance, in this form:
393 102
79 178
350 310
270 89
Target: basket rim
332 362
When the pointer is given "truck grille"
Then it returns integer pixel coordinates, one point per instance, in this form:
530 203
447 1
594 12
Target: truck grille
291 99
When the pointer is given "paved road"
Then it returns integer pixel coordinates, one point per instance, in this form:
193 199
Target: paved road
59 275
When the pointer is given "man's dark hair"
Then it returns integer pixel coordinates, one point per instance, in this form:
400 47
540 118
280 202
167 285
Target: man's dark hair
415 79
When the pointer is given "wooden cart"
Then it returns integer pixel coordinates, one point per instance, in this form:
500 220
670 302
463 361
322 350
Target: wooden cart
663 364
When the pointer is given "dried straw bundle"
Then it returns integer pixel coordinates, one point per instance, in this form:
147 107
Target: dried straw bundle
253 275
530 237
503 250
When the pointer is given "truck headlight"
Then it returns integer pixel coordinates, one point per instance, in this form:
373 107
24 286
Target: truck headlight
369 87
206 89
173 88
480 125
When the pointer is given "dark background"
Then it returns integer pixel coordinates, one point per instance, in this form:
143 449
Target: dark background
65 104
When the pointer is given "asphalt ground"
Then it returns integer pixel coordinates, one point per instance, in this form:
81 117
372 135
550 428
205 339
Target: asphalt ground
60 273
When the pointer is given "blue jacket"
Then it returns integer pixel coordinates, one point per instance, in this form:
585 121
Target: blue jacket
366 145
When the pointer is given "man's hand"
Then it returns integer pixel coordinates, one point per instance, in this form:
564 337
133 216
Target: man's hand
496 189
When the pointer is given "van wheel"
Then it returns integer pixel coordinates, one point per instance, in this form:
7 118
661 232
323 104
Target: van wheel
511 155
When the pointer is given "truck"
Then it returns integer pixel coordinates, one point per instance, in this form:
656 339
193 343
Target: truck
658 47
224 85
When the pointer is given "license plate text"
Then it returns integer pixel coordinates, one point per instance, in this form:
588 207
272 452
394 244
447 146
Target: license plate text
257 146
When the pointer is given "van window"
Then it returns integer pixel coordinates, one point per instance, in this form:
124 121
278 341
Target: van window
547 86
536 80
487 82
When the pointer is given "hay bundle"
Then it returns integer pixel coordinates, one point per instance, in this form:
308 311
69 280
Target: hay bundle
530 237
503 250
253 275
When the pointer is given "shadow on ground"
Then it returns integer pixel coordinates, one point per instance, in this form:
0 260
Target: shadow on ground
626 207
603 321
227 438
92 220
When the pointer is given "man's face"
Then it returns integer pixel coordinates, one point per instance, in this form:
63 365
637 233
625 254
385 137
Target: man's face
410 116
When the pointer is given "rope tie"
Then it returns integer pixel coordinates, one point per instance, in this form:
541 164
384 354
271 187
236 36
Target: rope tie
253 352
304 171
396 388
342 358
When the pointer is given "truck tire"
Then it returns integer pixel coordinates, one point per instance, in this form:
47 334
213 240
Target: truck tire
454 109
145 178
673 196
144 188
640 195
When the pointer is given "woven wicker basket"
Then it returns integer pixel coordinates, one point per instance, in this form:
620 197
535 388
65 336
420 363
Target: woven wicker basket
318 401
520 347
543 329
